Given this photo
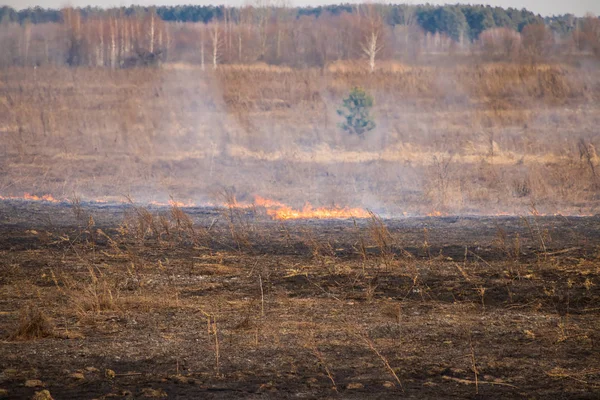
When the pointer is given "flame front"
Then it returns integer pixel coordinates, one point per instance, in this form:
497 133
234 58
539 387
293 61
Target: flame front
281 211
267 203
31 197
173 203
436 213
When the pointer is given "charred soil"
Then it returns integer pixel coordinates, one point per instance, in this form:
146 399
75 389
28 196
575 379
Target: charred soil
130 302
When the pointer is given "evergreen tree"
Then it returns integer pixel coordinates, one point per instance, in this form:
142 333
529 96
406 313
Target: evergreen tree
355 110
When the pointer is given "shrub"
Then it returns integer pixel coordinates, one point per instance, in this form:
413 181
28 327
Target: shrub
32 325
355 110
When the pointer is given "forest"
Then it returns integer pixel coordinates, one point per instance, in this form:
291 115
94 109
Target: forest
277 34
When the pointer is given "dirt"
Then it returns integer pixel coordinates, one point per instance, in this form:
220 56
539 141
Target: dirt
150 303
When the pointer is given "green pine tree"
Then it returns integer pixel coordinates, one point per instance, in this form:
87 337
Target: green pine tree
355 110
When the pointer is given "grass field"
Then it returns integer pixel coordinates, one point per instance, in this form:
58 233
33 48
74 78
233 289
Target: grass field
154 239
490 138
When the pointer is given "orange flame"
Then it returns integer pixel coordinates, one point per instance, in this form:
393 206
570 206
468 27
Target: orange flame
30 197
46 197
267 203
172 203
436 214
317 213
281 211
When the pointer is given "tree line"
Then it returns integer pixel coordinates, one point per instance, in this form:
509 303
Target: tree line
277 34
451 20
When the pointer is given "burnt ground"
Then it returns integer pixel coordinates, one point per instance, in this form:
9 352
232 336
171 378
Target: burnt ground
229 304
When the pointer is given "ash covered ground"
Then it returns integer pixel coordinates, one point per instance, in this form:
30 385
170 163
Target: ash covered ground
129 302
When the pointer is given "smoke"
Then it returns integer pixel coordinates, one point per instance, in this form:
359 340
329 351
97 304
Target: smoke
449 139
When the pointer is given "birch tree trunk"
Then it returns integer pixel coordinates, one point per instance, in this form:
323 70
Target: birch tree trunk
26 42
100 48
216 44
372 43
371 47
125 37
122 35
132 37
113 44
89 51
151 33
202 49
240 44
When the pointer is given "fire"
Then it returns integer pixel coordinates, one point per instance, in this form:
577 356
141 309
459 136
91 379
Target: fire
173 203
30 197
267 203
46 197
436 214
317 213
281 211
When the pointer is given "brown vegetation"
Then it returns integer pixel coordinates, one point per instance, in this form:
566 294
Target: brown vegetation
33 324
511 135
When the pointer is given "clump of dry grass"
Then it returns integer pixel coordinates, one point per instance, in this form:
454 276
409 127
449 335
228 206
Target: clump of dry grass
183 222
146 223
99 293
238 218
383 240
33 324
320 250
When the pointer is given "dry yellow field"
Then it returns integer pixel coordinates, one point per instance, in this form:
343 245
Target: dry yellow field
490 138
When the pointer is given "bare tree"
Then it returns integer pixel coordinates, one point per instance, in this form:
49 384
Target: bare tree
202 34
262 13
216 37
133 28
371 46
151 30
9 43
72 26
536 41
122 35
282 18
100 46
89 51
589 34
26 41
113 42
499 43
371 23
243 30
228 17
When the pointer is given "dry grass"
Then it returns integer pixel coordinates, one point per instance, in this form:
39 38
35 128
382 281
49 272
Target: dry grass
490 138
33 324
450 138
319 302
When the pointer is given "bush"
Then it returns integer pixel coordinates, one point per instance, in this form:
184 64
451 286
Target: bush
32 325
536 41
355 110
